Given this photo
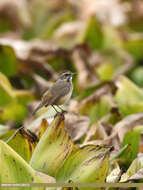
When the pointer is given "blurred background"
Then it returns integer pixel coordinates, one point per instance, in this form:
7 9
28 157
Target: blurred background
102 41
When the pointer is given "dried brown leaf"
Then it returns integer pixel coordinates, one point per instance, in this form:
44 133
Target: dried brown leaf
15 12
97 131
68 29
114 174
86 75
106 89
113 11
76 125
32 55
127 124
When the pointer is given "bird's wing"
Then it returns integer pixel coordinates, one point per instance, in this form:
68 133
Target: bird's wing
61 88
37 108
58 90
47 96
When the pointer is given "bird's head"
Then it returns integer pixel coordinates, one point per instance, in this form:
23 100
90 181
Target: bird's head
66 76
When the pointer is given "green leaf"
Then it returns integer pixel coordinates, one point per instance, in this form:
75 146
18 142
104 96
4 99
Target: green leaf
135 47
134 169
24 96
136 75
124 156
132 138
128 97
92 33
53 148
8 61
14 112
96 109
6 91
22 144
105 71
14 169
88 164
112 39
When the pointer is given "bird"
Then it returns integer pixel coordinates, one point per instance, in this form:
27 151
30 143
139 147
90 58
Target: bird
59 93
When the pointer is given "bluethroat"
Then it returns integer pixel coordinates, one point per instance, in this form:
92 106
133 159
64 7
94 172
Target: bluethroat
59 94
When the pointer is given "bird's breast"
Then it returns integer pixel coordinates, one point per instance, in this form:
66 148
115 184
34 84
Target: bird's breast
65 98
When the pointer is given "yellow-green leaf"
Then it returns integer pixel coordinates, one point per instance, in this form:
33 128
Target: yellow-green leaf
14 169
53 148
22 144
88 164
129 97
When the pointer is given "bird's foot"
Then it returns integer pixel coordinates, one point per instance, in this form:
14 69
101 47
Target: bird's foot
64 111
61 113
58 113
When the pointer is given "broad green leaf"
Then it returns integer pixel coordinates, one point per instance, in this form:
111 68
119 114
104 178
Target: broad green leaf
135 47
24 96
8 61
126 124
88 91
134 168
6 92
14 112
124 156
105 71
4 80
92 34
96 108
22 144
112 39
132 138
136 75
54 147
128 97
88 164
14 169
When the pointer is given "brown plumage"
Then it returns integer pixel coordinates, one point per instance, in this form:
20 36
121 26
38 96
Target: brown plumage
59 93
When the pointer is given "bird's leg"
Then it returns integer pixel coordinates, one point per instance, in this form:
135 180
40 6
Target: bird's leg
61 109
54 108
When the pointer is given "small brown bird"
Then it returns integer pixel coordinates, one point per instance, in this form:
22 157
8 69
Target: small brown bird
59 93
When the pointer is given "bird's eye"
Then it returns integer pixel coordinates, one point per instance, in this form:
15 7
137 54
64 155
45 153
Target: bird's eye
66 76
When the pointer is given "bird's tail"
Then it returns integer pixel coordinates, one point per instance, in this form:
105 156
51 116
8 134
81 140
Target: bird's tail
38 107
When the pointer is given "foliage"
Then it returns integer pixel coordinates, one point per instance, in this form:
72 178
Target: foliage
99 138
